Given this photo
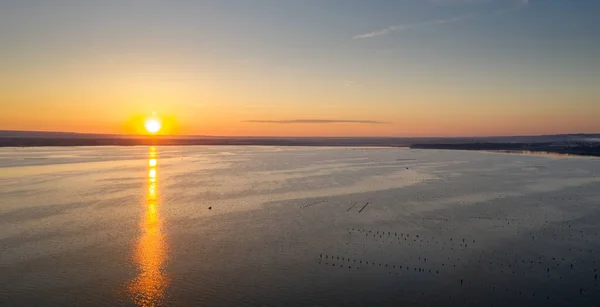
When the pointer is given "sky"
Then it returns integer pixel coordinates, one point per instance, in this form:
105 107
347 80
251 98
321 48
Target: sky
302 67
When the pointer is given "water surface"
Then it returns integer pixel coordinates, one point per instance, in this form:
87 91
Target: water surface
301 226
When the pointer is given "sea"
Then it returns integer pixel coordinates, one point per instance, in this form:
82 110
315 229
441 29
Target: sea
296 226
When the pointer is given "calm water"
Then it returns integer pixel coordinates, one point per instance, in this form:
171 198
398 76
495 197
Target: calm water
246 226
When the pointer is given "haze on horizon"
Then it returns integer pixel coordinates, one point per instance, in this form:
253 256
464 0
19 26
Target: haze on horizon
302 68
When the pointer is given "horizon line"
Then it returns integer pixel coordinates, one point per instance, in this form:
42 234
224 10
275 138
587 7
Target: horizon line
282 137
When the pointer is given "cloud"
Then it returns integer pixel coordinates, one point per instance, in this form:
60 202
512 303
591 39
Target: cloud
315 121
389 29
384 31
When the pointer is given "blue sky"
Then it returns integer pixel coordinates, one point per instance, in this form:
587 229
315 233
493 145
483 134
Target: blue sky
376 60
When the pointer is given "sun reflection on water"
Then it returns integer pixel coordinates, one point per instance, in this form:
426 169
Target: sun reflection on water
149 286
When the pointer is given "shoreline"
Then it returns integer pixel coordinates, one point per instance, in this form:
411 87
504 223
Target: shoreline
567 150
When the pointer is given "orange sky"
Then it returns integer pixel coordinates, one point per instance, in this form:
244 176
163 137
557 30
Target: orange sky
92 100
111 67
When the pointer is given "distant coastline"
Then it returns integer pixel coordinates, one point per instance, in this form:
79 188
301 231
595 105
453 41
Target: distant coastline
574 144
232 141
576 149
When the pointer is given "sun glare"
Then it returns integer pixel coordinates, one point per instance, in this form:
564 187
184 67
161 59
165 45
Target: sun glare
152 125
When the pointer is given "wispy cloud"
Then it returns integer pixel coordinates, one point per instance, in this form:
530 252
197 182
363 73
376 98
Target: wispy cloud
396 28
315 121
389 29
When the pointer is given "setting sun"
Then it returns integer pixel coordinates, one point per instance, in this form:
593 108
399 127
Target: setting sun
152 125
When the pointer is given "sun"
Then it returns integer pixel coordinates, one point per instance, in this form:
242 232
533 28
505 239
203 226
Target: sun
152 125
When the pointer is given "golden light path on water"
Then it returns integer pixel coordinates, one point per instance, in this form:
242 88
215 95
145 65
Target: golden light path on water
149 286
